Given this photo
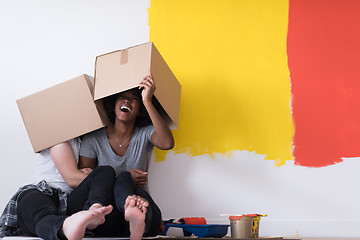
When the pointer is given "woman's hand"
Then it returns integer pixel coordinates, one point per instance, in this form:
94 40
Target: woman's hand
162 137
139 177
148 88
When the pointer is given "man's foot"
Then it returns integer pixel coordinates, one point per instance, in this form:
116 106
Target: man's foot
135 212
74 226
97 222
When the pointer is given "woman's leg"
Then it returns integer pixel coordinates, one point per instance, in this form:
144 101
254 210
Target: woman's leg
127 204
95 188
98 187
153 215
38 214
123 188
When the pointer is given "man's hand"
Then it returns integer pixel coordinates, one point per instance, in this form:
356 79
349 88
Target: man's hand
85 170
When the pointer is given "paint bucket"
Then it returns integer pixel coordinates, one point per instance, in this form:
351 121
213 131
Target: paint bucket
242 226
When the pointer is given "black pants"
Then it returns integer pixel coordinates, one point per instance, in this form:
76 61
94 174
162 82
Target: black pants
123 188
38 213
96 188
115 224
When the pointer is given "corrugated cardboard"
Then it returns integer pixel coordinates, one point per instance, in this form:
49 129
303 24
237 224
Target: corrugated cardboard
124 69
60 113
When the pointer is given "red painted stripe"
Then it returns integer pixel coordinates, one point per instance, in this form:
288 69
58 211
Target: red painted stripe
323 51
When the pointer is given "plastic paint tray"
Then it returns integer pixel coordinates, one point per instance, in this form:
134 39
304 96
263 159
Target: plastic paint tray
207 230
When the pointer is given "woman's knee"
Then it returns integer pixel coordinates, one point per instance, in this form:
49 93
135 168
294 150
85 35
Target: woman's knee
125 175
124 180
123 187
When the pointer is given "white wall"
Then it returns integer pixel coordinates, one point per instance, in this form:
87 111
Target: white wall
43 43
46 42
299 201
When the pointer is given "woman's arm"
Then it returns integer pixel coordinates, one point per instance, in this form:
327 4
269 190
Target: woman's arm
64 159
162 137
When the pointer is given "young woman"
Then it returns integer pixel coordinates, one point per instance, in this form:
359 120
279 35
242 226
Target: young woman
126 145
39 208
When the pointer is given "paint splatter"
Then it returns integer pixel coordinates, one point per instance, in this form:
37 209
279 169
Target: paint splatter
230 57
323 50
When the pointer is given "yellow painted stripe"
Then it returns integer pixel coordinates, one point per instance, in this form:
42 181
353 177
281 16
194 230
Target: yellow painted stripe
230 58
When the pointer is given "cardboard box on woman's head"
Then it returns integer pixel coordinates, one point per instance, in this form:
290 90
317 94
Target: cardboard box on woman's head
122 70
60 113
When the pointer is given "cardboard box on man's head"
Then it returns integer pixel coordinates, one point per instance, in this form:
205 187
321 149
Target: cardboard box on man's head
60 113
122 70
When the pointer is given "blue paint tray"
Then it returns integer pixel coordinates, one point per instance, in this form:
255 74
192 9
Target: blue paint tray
201 231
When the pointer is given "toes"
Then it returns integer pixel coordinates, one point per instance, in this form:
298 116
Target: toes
146 203
128 200
136 201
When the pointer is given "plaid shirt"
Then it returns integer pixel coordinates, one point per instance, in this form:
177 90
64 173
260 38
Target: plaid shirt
8 221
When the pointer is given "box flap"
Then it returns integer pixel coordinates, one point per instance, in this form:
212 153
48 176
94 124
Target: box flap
168 89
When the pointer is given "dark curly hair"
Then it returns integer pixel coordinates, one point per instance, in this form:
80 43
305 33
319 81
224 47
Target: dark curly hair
143 119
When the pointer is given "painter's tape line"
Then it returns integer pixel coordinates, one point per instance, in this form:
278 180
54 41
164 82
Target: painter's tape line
124 56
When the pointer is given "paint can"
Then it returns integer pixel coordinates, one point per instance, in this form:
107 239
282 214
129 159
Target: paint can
242 226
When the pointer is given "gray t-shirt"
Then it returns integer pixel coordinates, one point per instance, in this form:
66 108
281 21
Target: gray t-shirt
96 145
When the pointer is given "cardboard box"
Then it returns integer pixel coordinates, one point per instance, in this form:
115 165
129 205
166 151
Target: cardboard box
122 70
60 113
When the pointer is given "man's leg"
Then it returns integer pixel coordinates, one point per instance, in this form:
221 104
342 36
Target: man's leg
95 188
38 214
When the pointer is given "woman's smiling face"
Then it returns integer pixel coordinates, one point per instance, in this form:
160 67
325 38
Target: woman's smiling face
127 105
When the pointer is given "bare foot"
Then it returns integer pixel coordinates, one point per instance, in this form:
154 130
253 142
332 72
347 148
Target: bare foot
101 219
135 211
142 203
95 206
127 201
74 226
